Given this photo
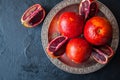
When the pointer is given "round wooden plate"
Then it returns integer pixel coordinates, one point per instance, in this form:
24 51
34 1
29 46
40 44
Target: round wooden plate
49 31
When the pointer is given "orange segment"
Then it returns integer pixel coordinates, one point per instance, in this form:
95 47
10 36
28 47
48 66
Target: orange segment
57 46
102 54
33 16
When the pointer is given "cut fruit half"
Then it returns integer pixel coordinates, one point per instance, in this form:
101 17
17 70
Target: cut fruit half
107 50
102 54
57 46
33 16
99 56
88 8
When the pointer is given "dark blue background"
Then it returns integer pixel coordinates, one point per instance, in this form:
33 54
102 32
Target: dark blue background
22 56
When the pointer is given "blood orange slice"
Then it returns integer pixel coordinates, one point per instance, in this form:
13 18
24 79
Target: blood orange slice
102 54
33 16
107 50
99 56
88 8
57 46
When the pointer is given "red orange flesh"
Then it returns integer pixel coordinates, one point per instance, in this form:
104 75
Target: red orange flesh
102 54
88 8
33 16
56 47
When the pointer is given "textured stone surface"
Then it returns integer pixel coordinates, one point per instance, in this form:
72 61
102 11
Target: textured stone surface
22 56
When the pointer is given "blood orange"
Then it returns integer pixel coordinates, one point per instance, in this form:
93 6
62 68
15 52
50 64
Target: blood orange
102 54
33 16
98 31
78 50
56 47
88 8
71 24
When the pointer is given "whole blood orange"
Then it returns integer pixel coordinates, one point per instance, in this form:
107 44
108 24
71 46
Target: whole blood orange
71 24
98 30
78 50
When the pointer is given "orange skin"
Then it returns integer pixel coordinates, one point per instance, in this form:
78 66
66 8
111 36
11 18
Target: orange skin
78 50
98 31
71 24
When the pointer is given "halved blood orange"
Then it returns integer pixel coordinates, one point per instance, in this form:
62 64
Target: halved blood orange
88 8
102 54
57 46
33 16
107 50
99 56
